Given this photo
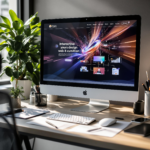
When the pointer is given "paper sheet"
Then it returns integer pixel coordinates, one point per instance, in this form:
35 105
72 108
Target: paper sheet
29 112
104 131
41 121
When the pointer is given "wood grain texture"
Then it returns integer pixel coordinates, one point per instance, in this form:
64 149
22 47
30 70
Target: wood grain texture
122 141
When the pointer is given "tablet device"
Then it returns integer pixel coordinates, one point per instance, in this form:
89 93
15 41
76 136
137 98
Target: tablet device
142 129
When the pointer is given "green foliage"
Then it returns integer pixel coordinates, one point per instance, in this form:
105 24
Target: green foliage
16 92
6 20
16 25
29 67
23 49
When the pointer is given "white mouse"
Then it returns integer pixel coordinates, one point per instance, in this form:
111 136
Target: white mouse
107 122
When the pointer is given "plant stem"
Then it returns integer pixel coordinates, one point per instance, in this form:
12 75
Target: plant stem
17 70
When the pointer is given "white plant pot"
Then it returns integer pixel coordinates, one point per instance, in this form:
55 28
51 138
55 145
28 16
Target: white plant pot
16 102
26 84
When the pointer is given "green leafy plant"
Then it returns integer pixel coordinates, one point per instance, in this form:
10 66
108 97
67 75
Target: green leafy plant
20 40
16 92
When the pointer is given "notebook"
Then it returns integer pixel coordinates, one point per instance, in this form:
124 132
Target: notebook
29 113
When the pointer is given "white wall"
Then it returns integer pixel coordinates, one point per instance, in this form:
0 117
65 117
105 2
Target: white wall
50 9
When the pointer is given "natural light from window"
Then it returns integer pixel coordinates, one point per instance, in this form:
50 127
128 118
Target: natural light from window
5 5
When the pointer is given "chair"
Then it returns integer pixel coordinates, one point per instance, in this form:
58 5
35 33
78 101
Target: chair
9 137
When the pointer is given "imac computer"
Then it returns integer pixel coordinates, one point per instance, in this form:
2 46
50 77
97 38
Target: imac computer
96 58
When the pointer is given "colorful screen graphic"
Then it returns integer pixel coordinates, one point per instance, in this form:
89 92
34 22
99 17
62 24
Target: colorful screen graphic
100 53
98 70
100 59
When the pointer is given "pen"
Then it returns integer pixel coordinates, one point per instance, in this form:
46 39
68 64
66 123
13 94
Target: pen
93 129
147 75
144 87
51 124
119 118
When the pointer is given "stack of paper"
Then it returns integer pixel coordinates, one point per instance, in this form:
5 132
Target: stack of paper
110 131
41 121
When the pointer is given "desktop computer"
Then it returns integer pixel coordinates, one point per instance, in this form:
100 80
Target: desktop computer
94 57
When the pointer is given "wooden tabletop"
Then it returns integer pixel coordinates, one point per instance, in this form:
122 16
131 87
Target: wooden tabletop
122 141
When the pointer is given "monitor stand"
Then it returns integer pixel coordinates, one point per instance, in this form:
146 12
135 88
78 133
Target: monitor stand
94 106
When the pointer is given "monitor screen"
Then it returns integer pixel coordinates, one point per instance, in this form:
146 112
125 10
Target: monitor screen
95 53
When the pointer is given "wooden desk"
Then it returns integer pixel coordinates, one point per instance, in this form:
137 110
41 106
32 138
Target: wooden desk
121 141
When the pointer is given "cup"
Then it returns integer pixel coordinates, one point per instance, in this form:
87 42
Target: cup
40 99
138 107
147 104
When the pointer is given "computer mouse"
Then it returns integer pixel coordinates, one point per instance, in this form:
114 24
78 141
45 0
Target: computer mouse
107 122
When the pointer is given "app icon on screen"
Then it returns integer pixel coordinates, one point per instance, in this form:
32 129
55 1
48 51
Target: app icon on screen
100 59
99 70
84 69
115 60
115 71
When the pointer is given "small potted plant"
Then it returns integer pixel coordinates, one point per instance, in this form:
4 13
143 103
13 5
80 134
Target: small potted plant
15 94
19 39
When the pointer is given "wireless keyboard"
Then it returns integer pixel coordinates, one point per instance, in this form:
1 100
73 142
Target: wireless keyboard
71 118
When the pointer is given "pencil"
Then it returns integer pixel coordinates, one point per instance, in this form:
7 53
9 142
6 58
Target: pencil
147 75
144 87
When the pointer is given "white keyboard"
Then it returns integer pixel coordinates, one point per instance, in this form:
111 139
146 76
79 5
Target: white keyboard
71 118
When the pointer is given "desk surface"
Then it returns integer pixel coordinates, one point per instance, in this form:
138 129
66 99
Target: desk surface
122 141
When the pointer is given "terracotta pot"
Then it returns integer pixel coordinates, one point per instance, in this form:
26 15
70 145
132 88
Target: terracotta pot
16 102
26 84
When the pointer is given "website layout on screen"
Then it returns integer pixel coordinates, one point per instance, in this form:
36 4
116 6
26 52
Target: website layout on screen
90 52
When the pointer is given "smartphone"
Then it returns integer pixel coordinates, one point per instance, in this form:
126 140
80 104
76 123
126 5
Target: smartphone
139 120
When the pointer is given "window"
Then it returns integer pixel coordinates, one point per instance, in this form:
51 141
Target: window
5 5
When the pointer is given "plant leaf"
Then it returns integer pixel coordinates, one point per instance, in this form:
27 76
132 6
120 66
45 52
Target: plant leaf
16 25
30 19
33 57
9 71
35 20
24 57
4 25
2 42
3 37
35 30
16 74
3 46
36 25
12 57
13 15
21 22
4 61
35 79
29 67
26 40
27 31
18 46
19 38
12 34
12 79
2 31
6 20
20 30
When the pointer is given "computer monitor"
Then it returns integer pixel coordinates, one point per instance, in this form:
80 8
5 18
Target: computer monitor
96 58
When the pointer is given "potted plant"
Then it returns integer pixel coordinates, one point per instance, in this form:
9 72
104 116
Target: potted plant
15 94
20 41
